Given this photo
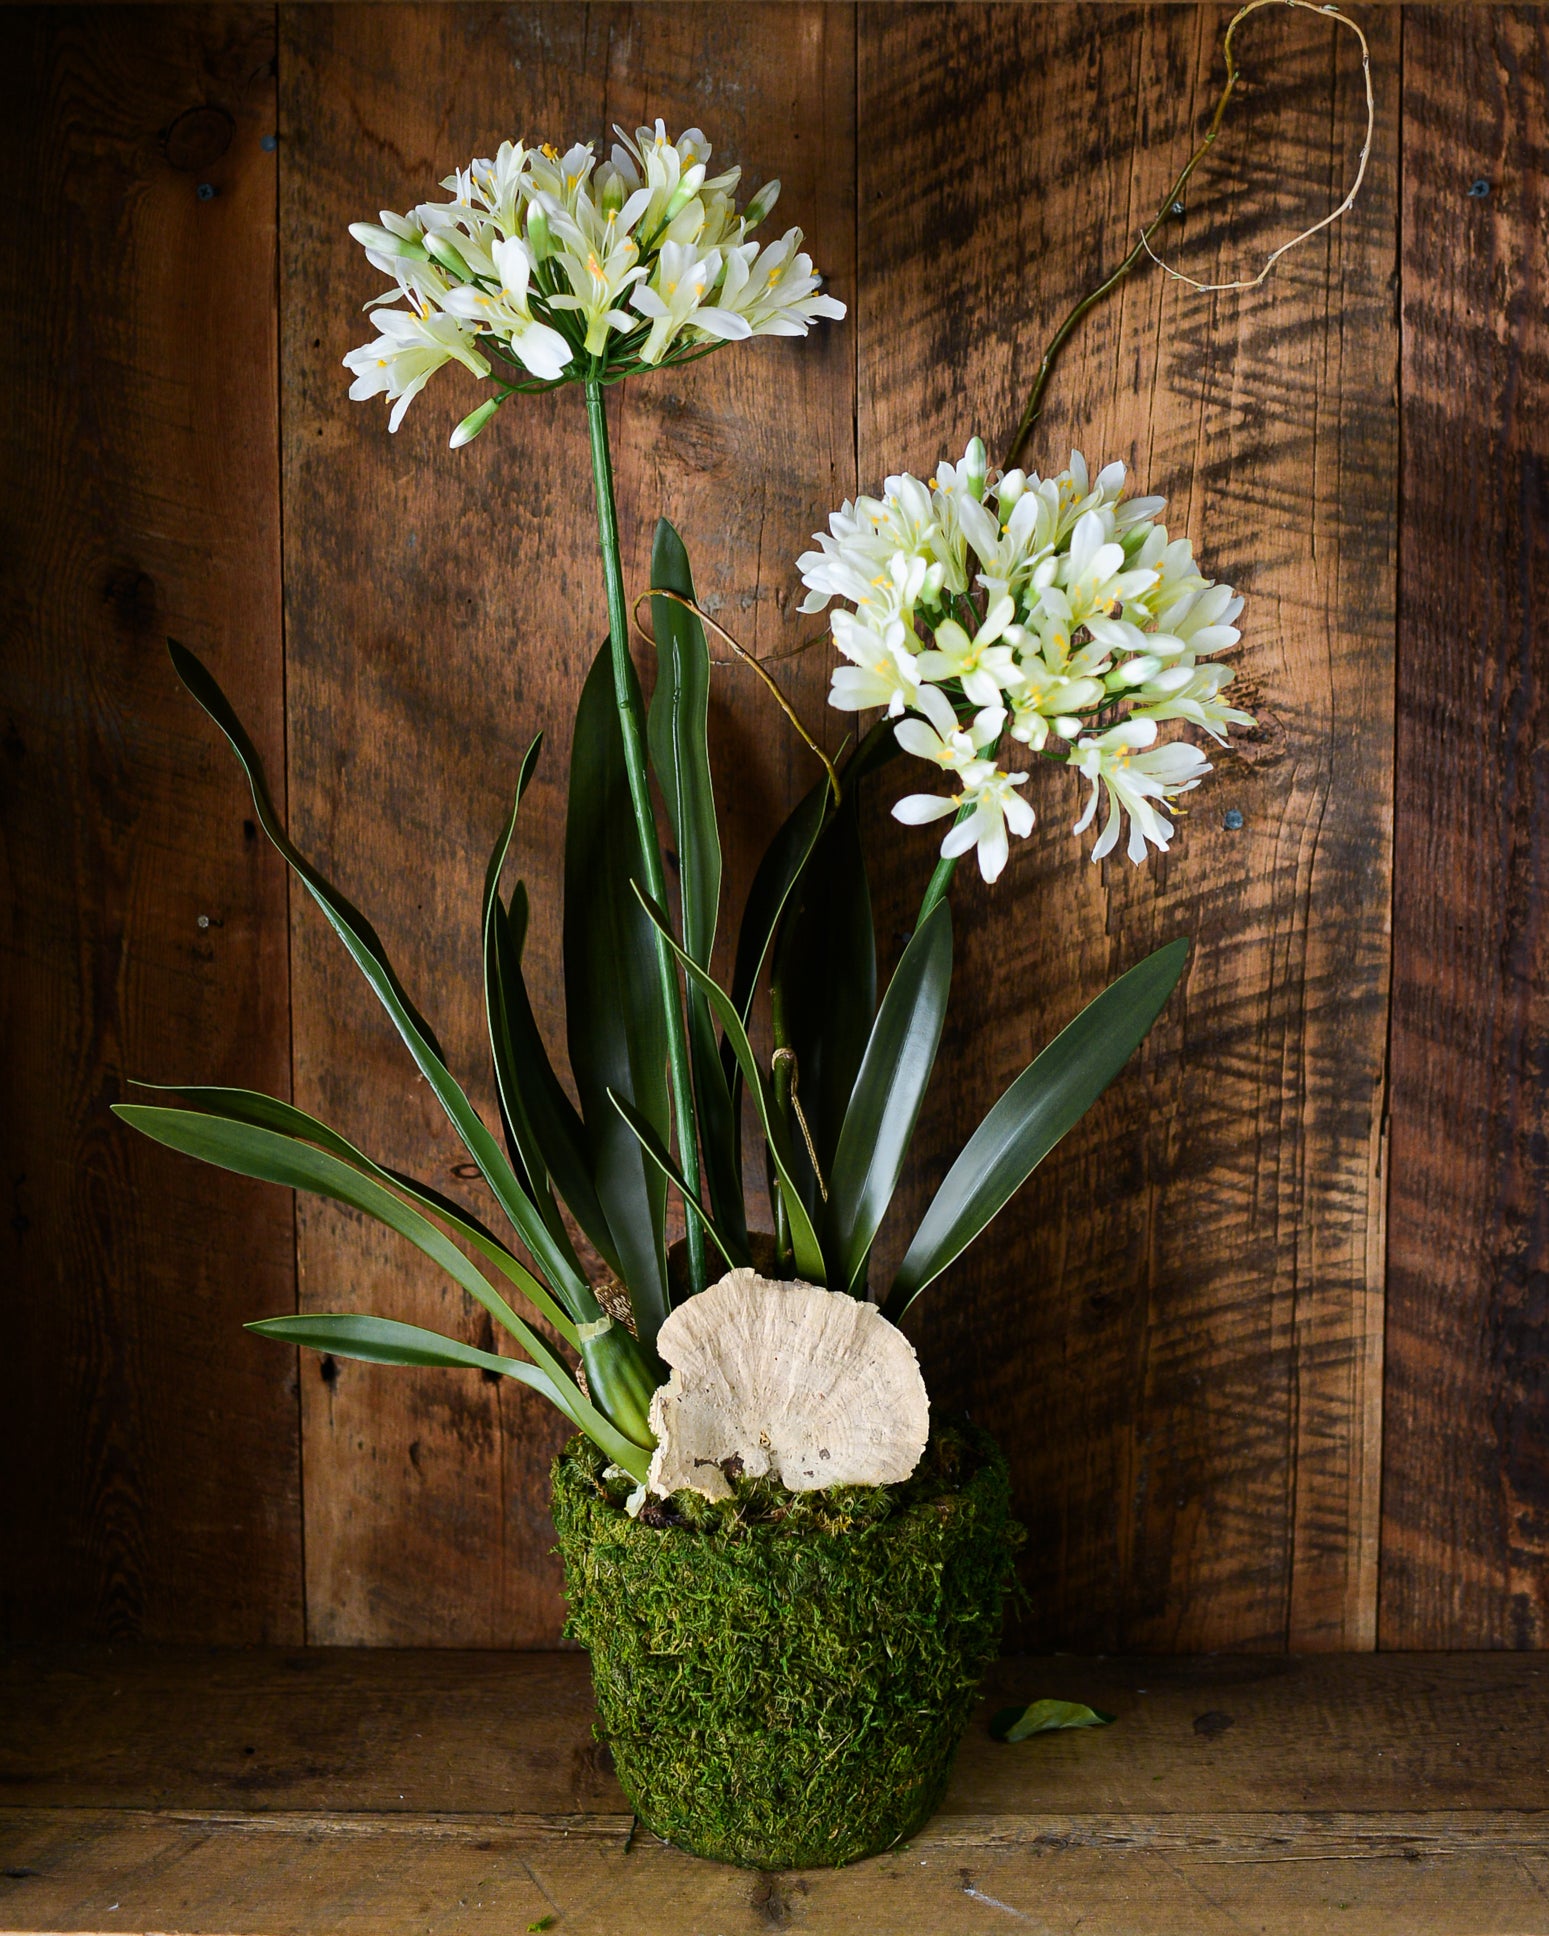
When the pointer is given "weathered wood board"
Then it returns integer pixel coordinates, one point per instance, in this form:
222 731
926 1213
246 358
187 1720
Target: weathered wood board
1177 1329
1466 1494
148 1482
348 1790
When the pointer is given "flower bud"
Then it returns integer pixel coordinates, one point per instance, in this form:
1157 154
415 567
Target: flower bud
976 464
539 239
474 422
759 208
385 242
444 253
685 191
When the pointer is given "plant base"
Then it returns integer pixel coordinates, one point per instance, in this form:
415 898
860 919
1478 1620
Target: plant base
784 1678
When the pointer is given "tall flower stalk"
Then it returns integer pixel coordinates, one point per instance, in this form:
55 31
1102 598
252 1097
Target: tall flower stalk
556 269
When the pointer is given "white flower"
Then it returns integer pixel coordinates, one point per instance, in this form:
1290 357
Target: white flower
984 668
1191 692
1088 609
599 259
1134 772
883 672
675 297
507 314
1091 578
407 354
773 288
988 802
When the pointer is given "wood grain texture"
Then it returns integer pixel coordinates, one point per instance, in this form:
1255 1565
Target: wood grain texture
1177 1330
149 1483
442 608
436 1731
349 1790
1466 1491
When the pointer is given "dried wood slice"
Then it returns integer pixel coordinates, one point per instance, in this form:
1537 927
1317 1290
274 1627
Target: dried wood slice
807 1386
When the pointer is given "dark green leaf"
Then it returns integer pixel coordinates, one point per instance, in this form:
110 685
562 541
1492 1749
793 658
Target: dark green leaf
1049 1097
269 1112
680 752
540 1119
365 948
613 1005
680 755
736 1254
384 1341
1043 1717
888 1093
823 986
251 1149
804 1240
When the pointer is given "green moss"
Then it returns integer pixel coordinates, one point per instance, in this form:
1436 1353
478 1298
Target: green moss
784 1678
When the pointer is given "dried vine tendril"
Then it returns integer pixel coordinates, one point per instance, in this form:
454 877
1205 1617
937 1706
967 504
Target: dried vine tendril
1143 247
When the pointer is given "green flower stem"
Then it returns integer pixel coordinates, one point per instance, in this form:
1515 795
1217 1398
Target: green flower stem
631 731
940 880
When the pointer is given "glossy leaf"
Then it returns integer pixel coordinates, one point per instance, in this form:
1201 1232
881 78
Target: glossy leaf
736 1253
384 1341
823 985
365 948
680 755
274 1157
269 1112
616 1029
1045 1717
804 1239
1049 1097
889 1090
541 1121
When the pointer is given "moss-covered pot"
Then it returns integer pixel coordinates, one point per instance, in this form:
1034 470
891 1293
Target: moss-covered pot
783 1679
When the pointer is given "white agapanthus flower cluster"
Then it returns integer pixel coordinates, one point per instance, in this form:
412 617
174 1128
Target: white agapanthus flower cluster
547 268
1044 610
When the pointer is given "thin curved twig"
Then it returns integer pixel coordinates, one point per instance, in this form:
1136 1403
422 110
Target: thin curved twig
1143 247
747 658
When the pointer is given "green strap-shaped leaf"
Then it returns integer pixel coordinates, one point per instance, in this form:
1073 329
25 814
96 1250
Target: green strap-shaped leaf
384 1341
823 985
1049 1097
365 948
680 755
617 1031
274 1157
540 1118
885 1104
736 1253
804 1238
269 1112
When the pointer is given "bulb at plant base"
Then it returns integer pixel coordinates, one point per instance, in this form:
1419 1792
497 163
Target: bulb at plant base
809 1387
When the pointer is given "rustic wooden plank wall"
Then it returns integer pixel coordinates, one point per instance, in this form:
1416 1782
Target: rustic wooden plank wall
152 1458
1466 1488
1180 1331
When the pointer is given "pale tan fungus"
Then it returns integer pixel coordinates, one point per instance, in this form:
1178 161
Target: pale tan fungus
806 1386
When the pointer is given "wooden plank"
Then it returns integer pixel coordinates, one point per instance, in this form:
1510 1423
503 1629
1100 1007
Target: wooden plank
1466 1488
150 1478
370 1732
347 1789
1187 1304
441 610
1288 1876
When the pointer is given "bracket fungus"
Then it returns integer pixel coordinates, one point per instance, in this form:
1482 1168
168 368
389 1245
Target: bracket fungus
810 1387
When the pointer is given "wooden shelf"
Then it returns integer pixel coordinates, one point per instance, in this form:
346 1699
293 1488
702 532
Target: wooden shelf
260 1793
